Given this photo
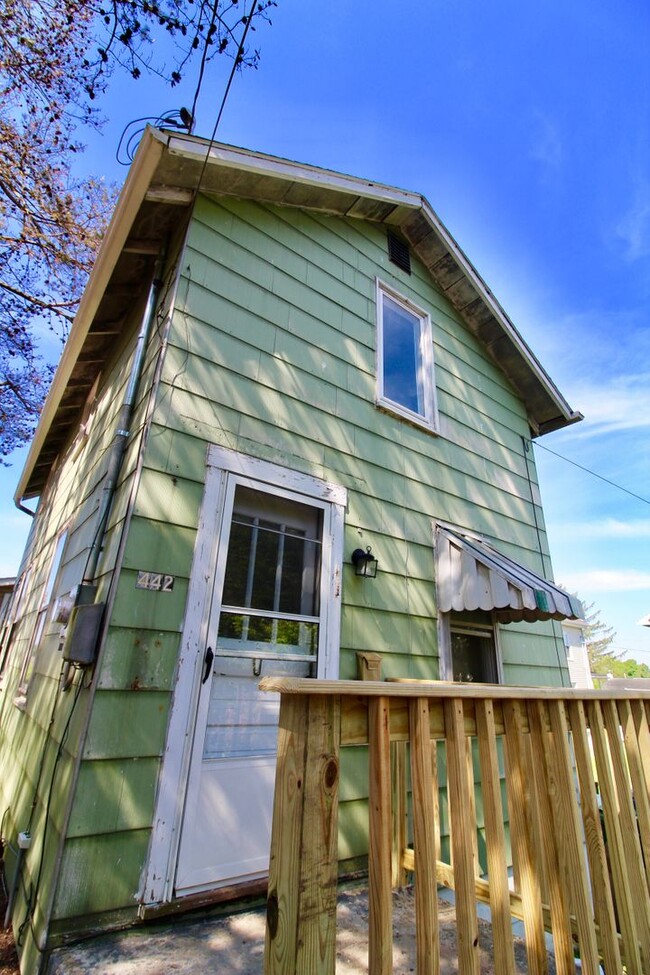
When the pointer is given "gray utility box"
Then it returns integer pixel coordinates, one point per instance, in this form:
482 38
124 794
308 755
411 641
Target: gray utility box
80 646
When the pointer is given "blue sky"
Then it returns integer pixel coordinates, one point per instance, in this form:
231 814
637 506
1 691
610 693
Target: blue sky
527 127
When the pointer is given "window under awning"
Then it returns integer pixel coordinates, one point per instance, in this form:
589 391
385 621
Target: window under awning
473 575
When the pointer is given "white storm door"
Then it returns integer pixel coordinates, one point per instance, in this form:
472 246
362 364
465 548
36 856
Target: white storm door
270 616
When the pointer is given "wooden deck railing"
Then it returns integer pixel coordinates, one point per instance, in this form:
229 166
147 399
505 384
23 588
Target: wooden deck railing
568 772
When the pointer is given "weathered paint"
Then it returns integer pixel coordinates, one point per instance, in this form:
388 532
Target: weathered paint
41 741
272 353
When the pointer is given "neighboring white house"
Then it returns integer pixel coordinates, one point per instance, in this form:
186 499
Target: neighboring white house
573 632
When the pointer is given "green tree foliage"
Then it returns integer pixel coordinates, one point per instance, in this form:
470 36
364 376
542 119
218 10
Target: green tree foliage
56 59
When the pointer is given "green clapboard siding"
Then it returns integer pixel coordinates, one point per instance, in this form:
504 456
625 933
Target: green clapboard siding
114 796
271 352
100 873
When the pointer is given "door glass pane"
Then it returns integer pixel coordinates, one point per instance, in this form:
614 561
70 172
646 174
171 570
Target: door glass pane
272 567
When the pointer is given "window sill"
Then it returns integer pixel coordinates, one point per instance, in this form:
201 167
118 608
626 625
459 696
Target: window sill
413 420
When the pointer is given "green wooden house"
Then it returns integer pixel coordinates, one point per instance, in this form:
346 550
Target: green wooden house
291 429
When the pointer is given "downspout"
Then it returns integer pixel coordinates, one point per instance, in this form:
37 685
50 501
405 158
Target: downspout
124 419
21 507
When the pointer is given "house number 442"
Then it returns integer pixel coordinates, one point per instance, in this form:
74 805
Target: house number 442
155 581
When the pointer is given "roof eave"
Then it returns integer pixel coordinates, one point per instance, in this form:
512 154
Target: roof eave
135 187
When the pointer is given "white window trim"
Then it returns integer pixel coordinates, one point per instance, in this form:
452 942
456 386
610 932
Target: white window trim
429 419
445 661
50 590
159 874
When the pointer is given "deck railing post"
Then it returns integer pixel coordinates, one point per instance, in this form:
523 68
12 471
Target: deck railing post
301 905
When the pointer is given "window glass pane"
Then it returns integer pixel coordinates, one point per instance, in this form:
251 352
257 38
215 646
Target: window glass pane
403 371
473 657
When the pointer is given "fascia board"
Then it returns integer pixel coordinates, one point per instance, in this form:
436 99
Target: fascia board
246 161
488 297
137 182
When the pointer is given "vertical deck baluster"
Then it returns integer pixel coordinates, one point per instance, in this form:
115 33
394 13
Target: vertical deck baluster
469 765
643 737
615 849
640 784
464 824
570 839
424 837
495 839
400 811
555 887
600 881
521 833
380 934
634 868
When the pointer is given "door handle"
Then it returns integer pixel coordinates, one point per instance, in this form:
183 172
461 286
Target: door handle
207 664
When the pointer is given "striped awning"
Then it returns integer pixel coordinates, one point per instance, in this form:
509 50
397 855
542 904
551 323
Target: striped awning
471 575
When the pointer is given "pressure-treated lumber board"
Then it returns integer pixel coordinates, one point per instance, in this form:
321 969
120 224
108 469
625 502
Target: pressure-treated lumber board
595 843
301 905
521 836
624 905
640 783
318 875
400 811
570 841
555 889
404 687
464 824
634 869
424 841
469 765
495 839
281 947
380 922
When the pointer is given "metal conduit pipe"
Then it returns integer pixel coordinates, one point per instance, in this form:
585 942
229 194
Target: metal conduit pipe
123 431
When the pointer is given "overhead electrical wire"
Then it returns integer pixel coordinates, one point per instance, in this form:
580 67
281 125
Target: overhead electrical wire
587 470
235 65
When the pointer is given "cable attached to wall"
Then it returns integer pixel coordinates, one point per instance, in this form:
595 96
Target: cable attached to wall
31 894
527 445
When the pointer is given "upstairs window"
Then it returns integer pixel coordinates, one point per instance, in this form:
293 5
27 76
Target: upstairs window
405 359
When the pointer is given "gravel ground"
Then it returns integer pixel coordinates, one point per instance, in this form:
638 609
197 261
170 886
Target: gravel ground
234 945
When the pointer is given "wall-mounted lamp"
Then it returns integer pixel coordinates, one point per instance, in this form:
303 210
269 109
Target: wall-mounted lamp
365 564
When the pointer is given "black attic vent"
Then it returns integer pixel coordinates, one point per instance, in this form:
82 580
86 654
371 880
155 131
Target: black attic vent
398 252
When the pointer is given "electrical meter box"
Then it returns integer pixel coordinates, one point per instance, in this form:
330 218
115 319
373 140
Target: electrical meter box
80 645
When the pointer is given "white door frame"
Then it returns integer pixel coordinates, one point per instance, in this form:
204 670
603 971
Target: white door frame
159 874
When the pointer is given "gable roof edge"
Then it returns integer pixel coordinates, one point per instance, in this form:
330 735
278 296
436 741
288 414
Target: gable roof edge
501 316
143 167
